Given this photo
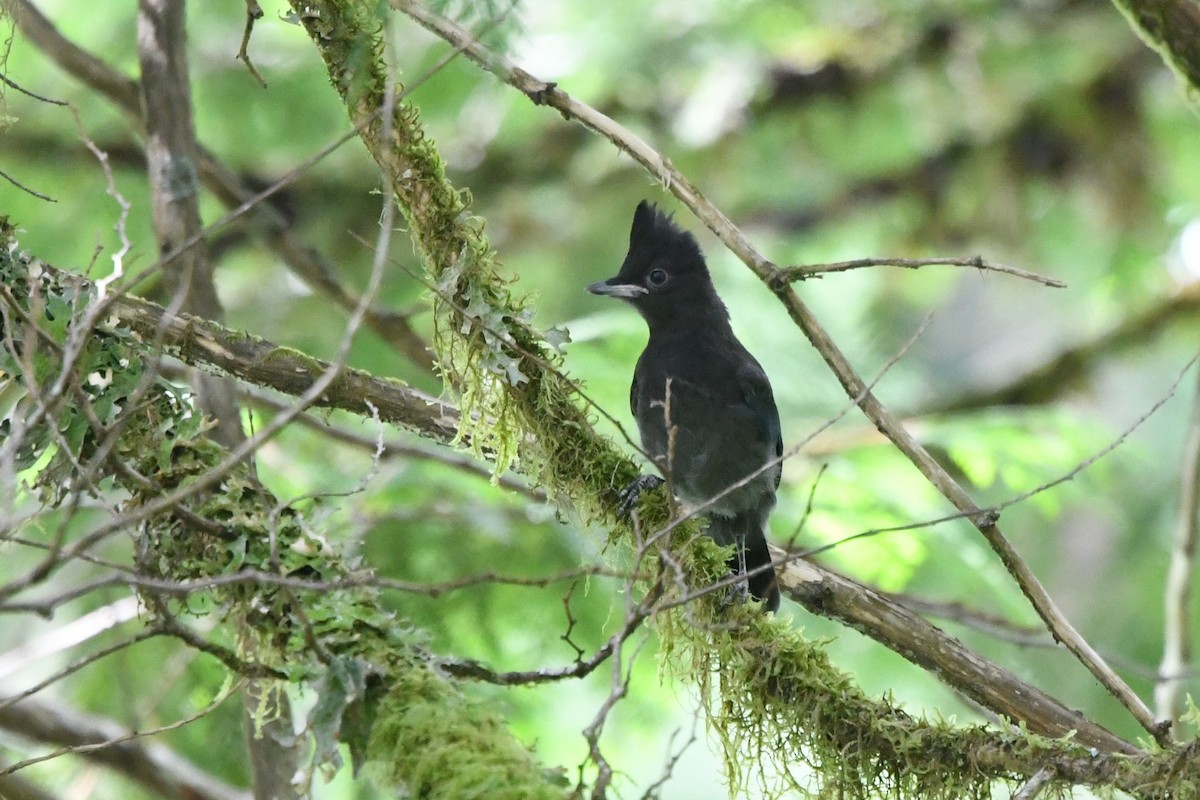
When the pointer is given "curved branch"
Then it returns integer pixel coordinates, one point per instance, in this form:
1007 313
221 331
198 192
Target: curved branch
152 765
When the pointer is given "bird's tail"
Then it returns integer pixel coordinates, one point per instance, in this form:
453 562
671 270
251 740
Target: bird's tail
750 556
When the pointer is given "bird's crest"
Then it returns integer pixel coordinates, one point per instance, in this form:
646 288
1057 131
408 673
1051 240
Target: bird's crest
654 231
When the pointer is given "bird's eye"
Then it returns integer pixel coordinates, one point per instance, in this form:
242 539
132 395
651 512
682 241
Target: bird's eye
657 277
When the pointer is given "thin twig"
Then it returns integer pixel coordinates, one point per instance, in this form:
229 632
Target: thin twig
254 13
994 510
69 635
1033 787
9 82
805 271
159 769
26 189
476 671
1177 594
70 669
392 448
90 747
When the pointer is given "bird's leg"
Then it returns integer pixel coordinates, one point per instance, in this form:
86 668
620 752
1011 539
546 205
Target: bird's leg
738 592
628 496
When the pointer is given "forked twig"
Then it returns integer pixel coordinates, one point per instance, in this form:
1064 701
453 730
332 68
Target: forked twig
806 271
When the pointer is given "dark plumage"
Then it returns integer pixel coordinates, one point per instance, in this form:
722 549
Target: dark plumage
722 410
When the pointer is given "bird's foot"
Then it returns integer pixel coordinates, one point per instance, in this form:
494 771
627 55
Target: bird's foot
737 593
628 497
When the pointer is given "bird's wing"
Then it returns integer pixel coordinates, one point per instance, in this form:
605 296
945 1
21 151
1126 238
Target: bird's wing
756 391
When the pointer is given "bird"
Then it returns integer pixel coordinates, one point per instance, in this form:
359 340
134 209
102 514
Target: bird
703 404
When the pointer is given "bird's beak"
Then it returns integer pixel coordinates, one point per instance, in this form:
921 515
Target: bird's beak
611 288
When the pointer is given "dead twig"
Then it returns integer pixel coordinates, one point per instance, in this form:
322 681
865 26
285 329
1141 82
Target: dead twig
806 271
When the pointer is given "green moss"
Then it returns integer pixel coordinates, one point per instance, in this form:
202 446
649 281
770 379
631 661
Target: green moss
434 743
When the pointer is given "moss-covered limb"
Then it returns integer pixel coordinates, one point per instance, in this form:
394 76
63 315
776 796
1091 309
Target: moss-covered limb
909 634
207 345
776 687
1172 28
321 635
510 389
782 706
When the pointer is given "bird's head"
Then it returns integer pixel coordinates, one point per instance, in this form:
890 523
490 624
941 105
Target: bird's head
664 274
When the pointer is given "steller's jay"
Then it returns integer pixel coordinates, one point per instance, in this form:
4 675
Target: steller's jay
717 423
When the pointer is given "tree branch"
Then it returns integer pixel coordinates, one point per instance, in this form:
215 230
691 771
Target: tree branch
203 343
888 622
1172 29
1177 594
806 271
154 766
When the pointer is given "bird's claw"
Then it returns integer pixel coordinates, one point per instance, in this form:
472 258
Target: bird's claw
627 498
736 594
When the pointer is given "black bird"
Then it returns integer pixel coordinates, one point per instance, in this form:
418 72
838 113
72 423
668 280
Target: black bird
719 426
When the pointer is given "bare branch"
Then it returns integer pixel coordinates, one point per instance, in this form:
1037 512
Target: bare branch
1177 594
807 271
106 742
254 13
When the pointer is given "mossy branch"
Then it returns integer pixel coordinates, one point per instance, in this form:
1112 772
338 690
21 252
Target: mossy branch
781 701
1172 29
118 420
